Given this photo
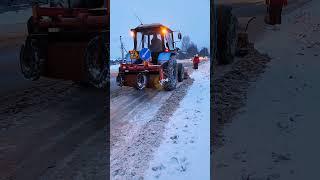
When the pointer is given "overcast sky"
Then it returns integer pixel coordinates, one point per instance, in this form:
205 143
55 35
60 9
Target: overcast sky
191 17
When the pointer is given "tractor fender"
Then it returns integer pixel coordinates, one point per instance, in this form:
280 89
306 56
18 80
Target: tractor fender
164 57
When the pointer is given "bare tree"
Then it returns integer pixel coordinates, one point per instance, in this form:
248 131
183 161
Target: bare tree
192 49
185 43
204 52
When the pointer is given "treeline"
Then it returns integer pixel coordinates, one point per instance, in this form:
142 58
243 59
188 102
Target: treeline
189 49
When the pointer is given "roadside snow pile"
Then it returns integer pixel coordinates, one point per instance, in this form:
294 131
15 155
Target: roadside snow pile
114 68
185 152
230 90
276 137
15 17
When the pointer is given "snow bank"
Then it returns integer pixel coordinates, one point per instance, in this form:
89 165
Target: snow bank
15 17
276 136
114 68
185 151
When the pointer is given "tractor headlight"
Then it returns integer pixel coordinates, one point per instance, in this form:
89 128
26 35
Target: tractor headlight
164 31
132 33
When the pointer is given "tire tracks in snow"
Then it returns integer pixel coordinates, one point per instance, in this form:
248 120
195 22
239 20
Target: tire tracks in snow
229 91
130 161
53 120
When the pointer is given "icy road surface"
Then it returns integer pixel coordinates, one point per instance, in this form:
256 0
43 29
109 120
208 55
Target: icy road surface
185 152
138 121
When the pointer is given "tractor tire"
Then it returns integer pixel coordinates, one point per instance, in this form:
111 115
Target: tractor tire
29 61
96 64
226 37
141 81
180 72
30 25
120 79
171 75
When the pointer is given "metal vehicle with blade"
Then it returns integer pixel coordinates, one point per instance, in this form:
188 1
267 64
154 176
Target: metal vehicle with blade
68 40
152 62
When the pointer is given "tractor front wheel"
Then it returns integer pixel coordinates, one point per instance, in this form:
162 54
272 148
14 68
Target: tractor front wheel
29 61
120 79
141 82
96 64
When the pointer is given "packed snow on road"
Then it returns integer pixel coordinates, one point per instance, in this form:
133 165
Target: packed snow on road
275 135
186 147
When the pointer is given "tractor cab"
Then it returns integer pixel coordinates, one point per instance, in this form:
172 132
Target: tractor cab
157 38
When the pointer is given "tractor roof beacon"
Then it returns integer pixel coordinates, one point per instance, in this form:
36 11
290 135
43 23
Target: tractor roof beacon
152 61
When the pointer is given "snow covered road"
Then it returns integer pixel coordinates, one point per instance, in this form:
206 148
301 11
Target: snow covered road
185 151
60 125
138 122
276 136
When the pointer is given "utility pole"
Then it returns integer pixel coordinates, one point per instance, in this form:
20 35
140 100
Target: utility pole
122 50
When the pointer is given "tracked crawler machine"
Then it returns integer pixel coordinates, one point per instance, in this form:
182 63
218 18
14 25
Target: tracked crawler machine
68 40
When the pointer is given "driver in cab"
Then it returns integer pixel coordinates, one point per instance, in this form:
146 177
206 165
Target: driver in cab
156 44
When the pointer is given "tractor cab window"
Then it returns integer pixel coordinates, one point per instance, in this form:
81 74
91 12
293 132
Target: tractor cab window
140 41
155 42
168 41
151 40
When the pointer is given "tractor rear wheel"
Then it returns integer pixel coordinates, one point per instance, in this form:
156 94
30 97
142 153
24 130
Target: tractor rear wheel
96 65
226 37
170 73
180 72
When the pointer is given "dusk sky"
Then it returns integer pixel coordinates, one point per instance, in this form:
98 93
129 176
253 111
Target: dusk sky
191 17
